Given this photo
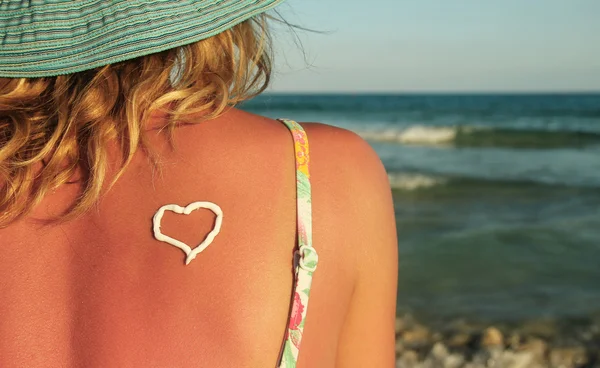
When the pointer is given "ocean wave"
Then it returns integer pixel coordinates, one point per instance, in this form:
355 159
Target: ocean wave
416 134
413 181
479 136
440 186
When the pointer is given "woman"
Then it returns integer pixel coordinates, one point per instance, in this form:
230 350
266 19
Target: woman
117 115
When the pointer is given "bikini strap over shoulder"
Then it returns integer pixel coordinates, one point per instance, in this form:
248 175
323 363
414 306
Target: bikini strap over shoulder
306 258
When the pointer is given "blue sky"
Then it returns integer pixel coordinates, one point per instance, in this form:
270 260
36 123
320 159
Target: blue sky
440 46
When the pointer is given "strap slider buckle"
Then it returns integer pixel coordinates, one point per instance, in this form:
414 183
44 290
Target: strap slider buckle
308 258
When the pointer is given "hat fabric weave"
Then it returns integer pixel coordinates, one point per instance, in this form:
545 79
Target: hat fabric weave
42 38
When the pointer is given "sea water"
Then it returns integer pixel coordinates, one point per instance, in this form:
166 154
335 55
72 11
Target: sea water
497 197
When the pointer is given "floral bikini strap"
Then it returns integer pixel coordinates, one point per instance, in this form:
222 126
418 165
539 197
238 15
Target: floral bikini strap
306 258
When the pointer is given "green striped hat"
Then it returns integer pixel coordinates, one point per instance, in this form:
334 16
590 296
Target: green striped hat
43 38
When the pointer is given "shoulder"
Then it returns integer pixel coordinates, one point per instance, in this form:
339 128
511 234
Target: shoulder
344 157
350 178
342 146
335 137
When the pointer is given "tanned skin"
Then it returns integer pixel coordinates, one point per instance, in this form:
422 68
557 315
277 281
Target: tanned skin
100 291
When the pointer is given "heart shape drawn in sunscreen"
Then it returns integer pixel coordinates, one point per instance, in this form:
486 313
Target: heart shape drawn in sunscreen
190 253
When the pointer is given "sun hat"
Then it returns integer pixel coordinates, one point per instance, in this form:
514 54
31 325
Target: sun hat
43 38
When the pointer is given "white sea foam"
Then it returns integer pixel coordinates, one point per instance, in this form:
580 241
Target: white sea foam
411 181
417 134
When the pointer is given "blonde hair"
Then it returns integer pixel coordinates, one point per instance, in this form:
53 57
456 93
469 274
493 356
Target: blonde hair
51 128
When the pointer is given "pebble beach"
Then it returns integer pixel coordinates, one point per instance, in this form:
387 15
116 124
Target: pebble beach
533 344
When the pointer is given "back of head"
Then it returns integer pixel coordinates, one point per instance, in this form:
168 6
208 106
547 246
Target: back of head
55 126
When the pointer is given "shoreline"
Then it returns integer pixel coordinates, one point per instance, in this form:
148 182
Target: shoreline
539 343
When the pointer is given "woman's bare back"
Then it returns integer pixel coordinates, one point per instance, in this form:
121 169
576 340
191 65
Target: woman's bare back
100 291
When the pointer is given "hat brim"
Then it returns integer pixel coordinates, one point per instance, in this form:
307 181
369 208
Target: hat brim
58 37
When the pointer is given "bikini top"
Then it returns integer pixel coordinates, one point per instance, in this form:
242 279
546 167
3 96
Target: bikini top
305 256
